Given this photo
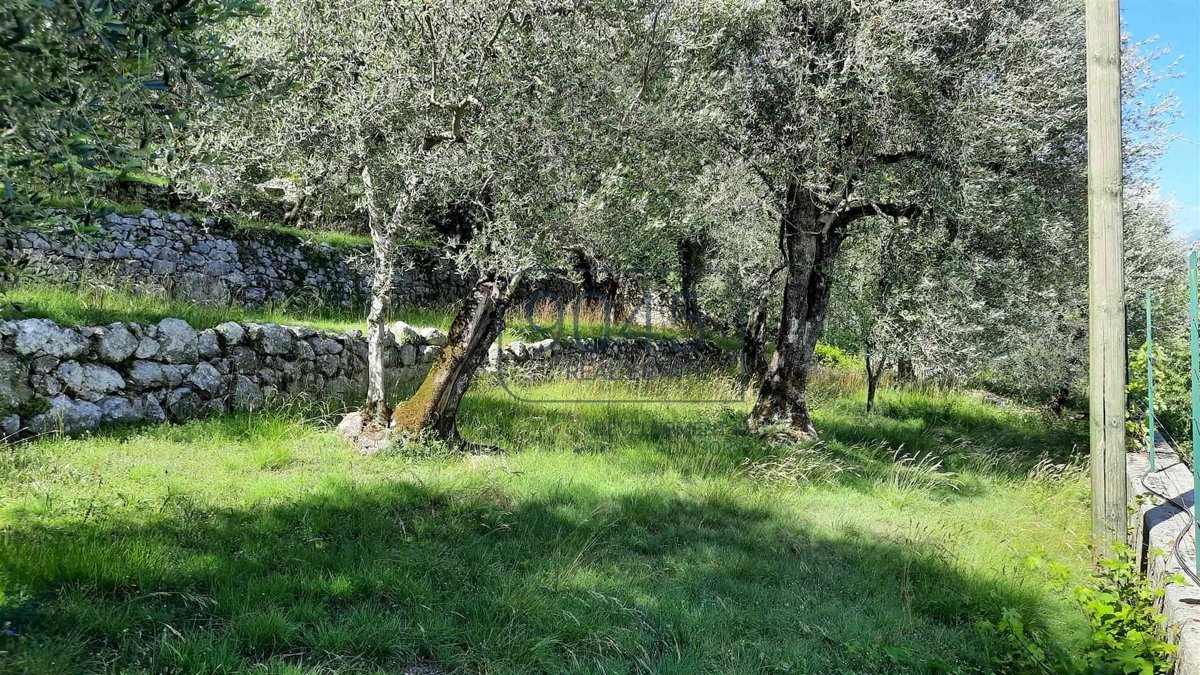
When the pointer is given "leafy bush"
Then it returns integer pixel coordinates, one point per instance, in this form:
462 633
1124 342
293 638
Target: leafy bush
1128 632
1172 388
834 357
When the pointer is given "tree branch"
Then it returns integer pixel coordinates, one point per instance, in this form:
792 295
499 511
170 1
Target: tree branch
858 211
898 157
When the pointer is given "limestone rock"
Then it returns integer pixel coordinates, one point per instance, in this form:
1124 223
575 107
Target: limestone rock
432 336
89 381
152 410
147 348
231 332
247 396
14 382
216 406
304 351
328 363
208 344
205 378
324 345
351 425
353 428
146 374
244 359
10 425
273 338
175 374
43 364
408 355
519 352
177 341
116 343
183 403
405 334
119 410
43 337
66 415
541 349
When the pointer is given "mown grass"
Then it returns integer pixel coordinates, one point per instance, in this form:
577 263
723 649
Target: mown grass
605 538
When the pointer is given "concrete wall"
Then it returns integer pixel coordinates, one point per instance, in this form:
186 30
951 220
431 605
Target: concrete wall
1156 525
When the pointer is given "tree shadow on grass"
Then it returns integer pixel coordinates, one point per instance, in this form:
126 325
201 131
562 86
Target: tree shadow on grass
352 579
959 431
924 438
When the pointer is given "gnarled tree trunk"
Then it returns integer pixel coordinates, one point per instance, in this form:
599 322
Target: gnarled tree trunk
810 240
754 333
375 409
691 253
434 407
876 365
754 338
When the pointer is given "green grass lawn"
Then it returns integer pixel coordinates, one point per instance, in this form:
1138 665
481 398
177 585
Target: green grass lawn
606 538
92 305
95 304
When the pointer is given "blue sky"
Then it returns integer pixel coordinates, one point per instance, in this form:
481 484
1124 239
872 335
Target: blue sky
1177 25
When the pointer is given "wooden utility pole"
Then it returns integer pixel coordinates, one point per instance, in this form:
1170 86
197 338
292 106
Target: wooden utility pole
1106 282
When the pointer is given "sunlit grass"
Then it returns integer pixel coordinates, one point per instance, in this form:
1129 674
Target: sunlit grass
96 204
604 538
96 303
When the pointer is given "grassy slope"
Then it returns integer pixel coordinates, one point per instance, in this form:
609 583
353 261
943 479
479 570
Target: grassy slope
332 237
91 305
608 538
94 304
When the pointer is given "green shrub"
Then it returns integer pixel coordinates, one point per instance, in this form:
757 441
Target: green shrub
834 357
1172 389
1128 633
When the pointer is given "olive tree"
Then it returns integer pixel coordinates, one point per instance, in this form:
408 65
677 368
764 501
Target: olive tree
999 292
856 113
88 87
481 128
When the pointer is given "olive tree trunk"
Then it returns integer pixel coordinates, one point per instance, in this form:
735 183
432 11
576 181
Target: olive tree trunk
383 284
691 251
810 240
434 407
876 365
754 330
375 407
754 338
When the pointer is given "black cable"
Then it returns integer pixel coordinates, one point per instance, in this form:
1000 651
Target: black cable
1191 526
1187 569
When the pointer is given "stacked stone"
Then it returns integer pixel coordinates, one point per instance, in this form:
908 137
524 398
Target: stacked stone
549 352
57 378
211 261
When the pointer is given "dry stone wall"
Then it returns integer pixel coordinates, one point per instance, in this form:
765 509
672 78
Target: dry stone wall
61 378
72 379
212 261
613 358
